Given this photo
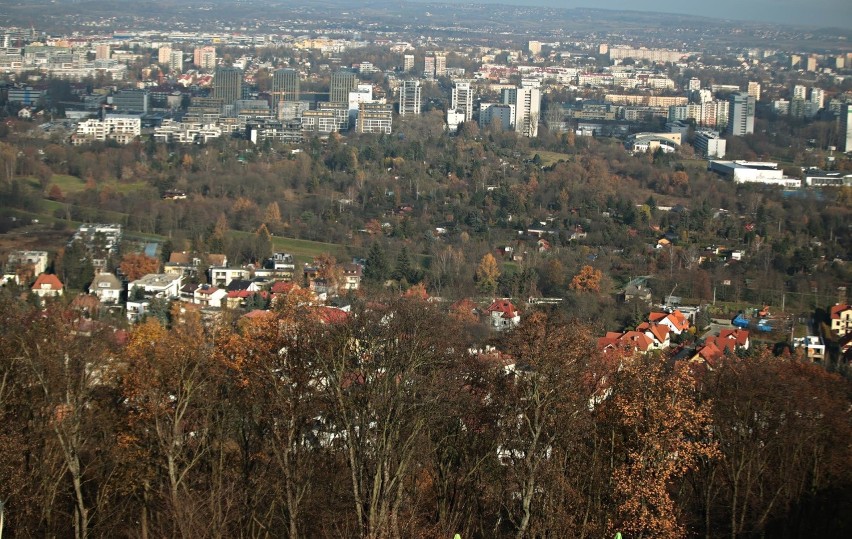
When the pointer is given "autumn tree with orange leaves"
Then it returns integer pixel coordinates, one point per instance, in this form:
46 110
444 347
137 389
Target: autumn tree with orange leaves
588 280
137 265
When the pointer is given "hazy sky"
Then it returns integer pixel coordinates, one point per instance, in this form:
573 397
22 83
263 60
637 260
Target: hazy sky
836 13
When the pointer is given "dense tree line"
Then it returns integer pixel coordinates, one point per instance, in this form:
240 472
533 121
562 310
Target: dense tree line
390 424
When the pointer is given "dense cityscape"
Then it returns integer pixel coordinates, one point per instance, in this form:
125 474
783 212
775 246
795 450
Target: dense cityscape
422 270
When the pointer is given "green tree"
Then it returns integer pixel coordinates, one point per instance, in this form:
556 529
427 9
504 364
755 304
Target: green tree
377 268
262 243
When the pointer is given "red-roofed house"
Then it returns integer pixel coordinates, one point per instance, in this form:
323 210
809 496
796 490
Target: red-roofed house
628 342
841 320
331 315
504 315
658 333
47 286
676 321
739 336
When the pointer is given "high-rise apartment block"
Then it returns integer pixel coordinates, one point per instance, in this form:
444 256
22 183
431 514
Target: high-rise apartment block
846 127
693 85
754 90
374 118
408 62
440 64
429 66
741 114
103 52
204 57
228 84
527 102
176 61
534 47
800 91
409 98
342 82
164 54
817 98
462 99
811 63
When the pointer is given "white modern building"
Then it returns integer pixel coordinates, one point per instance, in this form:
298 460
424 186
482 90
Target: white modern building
462 99
709 144
741 114
754 172
409 98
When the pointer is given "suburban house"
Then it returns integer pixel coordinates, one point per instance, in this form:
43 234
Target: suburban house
715 348
106 287
135 310
628 342
160 285
32 261
813 346
675 320
637 292
209 296
738 336
841 320
503 314
47 286
222 276
658 333
187 264
351 276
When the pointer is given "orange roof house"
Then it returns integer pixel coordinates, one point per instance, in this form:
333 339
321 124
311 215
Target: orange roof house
47 285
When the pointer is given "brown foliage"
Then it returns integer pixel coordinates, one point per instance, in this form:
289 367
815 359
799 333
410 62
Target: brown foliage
136 265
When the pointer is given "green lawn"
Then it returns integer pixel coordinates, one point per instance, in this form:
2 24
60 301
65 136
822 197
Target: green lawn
72 184
549 158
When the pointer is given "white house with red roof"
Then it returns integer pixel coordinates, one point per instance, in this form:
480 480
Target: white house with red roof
504 315
48 286
658 333
740 337
675 320
629 342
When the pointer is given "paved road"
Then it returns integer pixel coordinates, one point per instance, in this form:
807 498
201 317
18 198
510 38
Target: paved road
716 325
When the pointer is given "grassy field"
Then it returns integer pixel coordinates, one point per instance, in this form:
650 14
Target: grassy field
72 184
549 158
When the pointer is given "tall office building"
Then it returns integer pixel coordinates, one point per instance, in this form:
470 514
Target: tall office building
285 85
228 84
527 102
204 57
846 128
342 82
740 114
754 90
408 62
409 98
462 99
